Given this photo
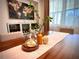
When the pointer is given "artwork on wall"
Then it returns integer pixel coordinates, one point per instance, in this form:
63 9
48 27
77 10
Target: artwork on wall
25 28
20 10
14 27
34 26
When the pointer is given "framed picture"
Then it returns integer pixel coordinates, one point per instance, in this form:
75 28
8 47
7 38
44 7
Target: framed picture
13 27
34 26
25 28
20 10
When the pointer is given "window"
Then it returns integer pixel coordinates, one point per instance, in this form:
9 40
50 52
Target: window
55 10
64 12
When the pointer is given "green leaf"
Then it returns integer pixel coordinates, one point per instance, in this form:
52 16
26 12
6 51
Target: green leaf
30 2
48 18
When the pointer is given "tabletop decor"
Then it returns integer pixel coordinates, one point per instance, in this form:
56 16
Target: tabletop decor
39 38
40 34
45 22
30 44
45 39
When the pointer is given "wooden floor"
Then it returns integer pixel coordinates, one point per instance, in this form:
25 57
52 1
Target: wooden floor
11 43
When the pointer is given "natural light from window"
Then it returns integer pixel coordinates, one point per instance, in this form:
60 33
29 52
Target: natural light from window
64 12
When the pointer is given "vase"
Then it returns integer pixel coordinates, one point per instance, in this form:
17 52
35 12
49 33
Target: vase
39 38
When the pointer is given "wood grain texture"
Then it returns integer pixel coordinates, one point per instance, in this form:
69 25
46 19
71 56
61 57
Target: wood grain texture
46 13
67 30
66 49
11 43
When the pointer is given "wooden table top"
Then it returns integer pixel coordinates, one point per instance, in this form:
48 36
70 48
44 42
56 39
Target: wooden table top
65 49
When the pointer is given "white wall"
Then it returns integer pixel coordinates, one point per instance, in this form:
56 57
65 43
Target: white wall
41 12
4 17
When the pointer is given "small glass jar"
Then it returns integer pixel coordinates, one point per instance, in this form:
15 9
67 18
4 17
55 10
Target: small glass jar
45 39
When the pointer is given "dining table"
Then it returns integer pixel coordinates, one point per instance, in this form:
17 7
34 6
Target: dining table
56 44
68 48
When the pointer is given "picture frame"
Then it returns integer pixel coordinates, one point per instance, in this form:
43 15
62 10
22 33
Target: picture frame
20 10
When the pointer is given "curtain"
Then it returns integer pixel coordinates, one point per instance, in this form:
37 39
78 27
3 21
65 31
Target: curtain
64 12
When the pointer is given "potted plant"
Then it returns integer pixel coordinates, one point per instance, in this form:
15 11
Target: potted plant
46 21
40 34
